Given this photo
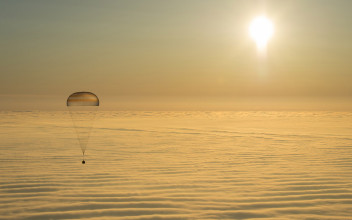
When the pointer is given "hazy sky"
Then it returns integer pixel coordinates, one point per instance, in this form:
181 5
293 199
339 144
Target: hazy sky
128 51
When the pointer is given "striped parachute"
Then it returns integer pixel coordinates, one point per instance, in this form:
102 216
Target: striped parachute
83 107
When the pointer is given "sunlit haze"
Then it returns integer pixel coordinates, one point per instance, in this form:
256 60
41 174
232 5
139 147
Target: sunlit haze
177 55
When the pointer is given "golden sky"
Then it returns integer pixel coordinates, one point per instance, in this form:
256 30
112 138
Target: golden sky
130 52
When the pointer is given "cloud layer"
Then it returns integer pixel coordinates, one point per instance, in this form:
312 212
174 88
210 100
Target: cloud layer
177 165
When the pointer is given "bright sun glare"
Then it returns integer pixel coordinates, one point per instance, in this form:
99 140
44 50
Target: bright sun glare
261 30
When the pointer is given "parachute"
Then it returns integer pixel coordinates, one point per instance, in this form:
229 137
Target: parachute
83 107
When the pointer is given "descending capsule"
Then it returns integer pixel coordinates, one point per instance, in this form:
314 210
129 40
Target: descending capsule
83 107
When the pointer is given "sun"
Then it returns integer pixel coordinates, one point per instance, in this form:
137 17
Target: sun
261 30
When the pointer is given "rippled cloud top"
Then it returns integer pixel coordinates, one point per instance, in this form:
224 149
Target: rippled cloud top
177 165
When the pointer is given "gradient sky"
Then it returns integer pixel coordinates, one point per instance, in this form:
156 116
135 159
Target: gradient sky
132 52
